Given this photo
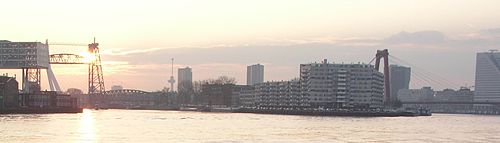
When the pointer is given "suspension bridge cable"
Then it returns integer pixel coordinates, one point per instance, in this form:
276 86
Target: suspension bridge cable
427 73
426 78
371 61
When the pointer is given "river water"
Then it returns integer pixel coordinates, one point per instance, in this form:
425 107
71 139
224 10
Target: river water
176 126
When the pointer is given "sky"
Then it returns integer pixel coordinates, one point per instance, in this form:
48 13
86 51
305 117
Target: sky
438 39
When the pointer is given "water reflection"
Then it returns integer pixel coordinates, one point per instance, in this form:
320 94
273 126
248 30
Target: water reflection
138 126
87 130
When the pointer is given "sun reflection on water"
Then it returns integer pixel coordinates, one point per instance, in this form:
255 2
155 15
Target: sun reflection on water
87 130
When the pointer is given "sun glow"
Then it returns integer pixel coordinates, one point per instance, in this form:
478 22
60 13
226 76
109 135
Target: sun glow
87 57
87 131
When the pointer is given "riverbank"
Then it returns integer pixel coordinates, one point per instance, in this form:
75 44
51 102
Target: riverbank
352 113
40 110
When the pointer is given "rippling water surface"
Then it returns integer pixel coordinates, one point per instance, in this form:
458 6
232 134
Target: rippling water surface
172 126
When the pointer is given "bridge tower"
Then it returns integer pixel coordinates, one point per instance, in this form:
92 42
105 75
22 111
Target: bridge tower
96 78
387 83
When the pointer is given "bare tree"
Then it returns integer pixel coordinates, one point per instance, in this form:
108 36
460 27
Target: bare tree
220 80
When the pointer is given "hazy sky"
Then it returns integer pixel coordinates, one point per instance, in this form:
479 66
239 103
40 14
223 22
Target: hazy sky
221 37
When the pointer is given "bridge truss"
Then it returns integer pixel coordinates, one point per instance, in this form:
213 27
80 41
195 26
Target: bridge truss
95 74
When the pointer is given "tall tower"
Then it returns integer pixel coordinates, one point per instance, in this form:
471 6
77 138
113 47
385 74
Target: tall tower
184 79
487 83
255 74
172 80
387 83
399 78
96 78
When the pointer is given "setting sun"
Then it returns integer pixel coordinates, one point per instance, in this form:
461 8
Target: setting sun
87 57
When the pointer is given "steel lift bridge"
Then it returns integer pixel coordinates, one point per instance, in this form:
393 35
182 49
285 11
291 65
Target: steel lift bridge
95 74
32 57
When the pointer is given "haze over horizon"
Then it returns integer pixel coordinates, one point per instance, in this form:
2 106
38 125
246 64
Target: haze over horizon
138 38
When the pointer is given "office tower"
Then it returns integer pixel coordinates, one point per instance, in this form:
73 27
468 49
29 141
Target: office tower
487 86
400 79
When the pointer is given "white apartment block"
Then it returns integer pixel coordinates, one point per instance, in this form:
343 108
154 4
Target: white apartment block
333 85
280 94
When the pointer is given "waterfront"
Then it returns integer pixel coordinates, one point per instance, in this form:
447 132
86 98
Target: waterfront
175 126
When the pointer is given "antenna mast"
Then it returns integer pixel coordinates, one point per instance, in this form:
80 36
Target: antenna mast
172 80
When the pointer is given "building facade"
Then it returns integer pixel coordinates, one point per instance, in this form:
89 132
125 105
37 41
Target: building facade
185 85
425 94
445 101
9 92
332 85
275 94
50 99
487 84
130 99
255 74
217 95
450 95
400 79
15 55
184 78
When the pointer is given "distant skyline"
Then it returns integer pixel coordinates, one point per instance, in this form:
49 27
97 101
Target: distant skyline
220 37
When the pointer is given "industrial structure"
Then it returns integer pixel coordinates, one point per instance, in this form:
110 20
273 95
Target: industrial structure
95 74
30 57
33 57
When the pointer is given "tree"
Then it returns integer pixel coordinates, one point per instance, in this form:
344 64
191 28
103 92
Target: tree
221 80
198 86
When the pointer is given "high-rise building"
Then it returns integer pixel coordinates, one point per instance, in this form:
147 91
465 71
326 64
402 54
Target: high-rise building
255 74
487 86
400 79
185 79
333 85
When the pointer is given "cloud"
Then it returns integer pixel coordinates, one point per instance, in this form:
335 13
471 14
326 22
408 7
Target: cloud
420 37
149 68
123 52
491 31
